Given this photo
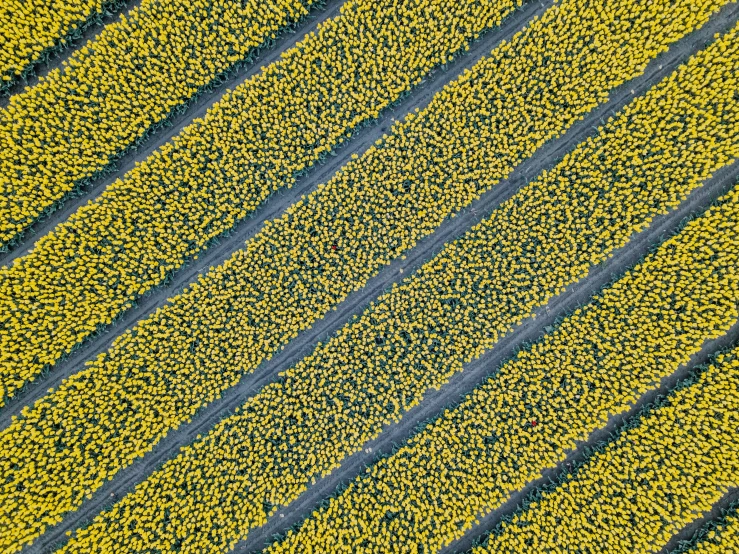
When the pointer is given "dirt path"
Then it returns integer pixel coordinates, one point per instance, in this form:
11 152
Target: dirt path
475 372
274 207
687 532
279 202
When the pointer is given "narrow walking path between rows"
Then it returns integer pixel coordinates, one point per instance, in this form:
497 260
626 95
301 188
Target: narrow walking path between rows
689 531
356 303
419 98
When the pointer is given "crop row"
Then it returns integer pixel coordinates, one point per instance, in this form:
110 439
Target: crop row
715 537
255 141
381 364
539 405
77 119
32 27
640 489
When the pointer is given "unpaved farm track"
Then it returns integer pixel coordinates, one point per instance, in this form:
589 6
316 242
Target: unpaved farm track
475 372
689 531
462 383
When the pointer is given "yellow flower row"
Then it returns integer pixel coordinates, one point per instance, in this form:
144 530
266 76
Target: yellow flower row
31 27
75 121
217 171
526 417
647 484
382 363
722 538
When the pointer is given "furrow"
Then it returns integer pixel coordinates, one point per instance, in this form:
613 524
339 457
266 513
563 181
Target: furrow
525 418
488 523
71 126
196 107
224 247
716 533
478 372
474 374
540 404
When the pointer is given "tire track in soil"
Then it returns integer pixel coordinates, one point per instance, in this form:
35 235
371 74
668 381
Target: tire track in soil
478 371
160 133
357 302
224 246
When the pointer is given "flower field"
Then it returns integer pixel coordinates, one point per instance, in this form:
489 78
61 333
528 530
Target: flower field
676 462
215 173
68 286
68 127
538 406
215 422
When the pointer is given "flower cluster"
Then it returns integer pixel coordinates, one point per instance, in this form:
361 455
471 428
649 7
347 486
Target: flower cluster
644 486
255 141
112 90
381 364
32 27
541 404
717 537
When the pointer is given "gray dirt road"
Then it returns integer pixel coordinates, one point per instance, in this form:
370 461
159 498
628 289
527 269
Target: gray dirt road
279 202
356 303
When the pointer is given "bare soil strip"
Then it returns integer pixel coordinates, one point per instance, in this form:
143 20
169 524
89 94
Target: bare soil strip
225 246
689 531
